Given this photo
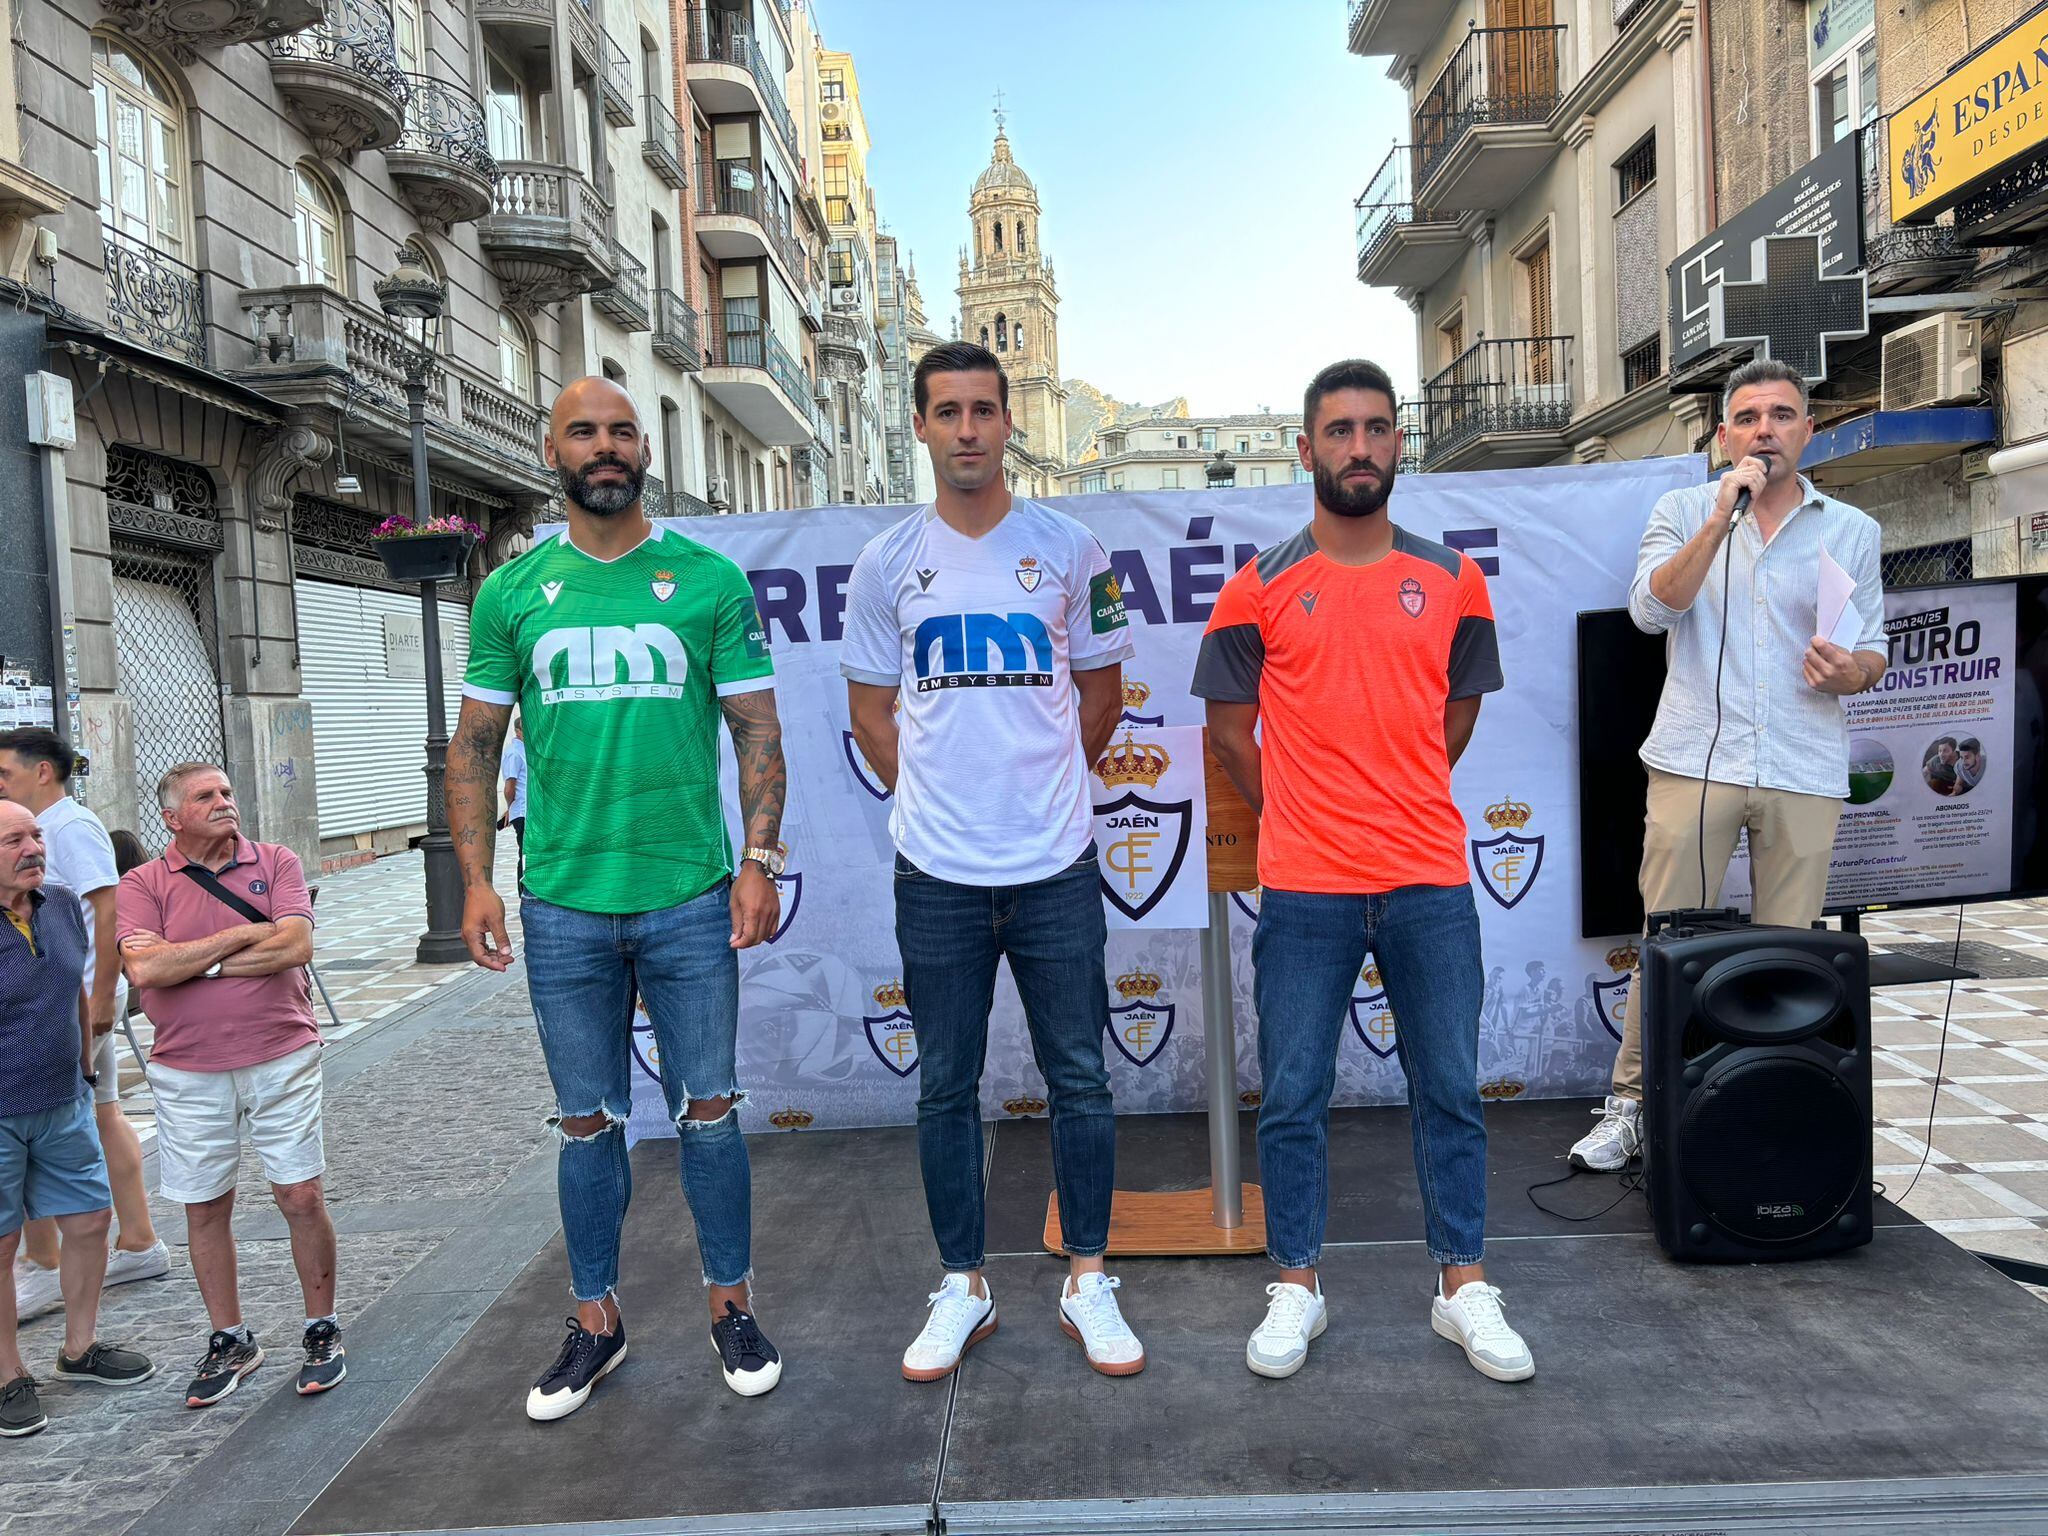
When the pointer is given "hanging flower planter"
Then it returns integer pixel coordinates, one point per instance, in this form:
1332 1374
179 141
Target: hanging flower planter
437 550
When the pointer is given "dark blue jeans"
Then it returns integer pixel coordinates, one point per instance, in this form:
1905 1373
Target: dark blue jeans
1307 954
1052 932
582 969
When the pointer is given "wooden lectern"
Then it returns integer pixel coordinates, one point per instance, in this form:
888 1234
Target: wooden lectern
1225 1215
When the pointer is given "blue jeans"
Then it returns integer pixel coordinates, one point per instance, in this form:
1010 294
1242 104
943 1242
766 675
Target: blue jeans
1307 955
1052 931
583 969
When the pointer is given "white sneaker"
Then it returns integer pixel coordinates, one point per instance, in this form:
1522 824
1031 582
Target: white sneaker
151 1263
960 1319
1090 1317
1473 1320
36 1290
1616 1141
1294 1316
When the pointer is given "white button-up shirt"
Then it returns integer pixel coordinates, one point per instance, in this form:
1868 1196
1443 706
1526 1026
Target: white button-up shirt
1777 731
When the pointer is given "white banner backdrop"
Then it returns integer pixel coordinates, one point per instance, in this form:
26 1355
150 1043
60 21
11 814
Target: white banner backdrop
1150 808
824 1036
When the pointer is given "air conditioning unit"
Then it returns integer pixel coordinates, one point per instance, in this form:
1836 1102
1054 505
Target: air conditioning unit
845 298
1265 437
832 111
1929 362
718 492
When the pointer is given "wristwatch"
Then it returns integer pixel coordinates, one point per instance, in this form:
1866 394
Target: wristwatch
211 971
773 860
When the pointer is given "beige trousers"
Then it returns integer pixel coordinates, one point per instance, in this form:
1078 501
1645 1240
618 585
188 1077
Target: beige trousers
1790 838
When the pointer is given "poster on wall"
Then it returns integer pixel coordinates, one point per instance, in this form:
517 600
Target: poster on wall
1930 806
827 1033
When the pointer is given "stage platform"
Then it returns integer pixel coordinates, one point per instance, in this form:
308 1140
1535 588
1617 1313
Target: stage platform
1897 1388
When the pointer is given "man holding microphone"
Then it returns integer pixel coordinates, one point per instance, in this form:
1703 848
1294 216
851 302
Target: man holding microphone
1750 731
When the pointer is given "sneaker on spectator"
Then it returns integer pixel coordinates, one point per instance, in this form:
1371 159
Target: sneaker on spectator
106 1365
959 1320
36 1290
151 1263
21 1411
326 1361
585 1359
750 1363
228 1359
1090 1317
1615 1142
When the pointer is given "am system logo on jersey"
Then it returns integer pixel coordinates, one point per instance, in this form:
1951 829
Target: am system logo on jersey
1507 865
890 1036
982 650
1141 1026
593 660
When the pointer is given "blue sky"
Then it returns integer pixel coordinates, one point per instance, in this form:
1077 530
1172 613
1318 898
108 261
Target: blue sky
1196 162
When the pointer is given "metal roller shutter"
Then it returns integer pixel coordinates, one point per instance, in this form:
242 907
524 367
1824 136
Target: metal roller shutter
369 728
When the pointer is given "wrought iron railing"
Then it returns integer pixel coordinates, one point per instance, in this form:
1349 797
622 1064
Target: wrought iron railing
1626 11
1517 385
1414 436
675 330
717 195
153 299
357 37
661 501
626 299
663 144
714 36
1498 75
1387 203
745 348
447 122
615 80
1351 22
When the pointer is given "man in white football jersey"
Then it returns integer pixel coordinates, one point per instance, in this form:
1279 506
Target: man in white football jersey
1001 628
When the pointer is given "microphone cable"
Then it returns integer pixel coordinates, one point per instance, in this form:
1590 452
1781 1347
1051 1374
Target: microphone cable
1720 662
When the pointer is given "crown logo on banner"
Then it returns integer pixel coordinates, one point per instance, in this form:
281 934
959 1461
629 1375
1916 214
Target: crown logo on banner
1135 694
890 994
1021 1107
1133 762
1622 957
1251 1098
791 1119
1133 985
1503 1088
1371 977
1508 815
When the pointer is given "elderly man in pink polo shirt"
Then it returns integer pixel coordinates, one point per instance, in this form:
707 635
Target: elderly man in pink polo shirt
215 936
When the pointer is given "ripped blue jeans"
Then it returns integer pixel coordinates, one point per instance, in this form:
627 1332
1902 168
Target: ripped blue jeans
584 970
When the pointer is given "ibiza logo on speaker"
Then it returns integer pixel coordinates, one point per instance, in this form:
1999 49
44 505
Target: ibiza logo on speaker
890 1035
1610 998
1507 865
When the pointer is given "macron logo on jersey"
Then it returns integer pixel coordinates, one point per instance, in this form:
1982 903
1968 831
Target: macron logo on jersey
982 650
610 661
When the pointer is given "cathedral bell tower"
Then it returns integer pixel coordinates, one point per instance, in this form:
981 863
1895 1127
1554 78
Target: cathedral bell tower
1009 303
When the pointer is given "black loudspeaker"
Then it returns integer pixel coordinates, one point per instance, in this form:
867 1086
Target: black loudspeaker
1756 1088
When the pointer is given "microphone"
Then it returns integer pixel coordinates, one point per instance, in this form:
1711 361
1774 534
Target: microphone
1742 496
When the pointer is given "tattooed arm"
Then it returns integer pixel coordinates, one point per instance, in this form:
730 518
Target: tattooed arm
471 788
764 785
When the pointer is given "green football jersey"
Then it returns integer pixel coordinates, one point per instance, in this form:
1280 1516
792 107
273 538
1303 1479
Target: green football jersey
617 667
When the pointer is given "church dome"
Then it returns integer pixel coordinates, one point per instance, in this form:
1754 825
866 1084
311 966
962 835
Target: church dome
1003 173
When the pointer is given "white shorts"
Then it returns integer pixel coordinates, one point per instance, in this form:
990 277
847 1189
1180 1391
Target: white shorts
106 1058
200 1117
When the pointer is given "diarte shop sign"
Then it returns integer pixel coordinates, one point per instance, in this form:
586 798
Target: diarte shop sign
1992 108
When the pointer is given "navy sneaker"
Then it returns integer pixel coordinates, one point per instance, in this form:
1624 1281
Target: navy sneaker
228 1359
585 1359
326 1361
750 1362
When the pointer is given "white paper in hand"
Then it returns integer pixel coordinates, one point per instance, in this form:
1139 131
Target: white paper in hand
1839 622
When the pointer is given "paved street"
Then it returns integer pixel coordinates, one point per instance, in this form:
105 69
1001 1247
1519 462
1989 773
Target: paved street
441 1178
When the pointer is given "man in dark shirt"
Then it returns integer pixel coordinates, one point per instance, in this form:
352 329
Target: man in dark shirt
50 1159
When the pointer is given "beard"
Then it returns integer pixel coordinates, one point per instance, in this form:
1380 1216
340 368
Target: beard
603 500
1350 501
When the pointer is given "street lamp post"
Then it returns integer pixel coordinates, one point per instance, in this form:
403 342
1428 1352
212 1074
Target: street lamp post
1221 471
414 300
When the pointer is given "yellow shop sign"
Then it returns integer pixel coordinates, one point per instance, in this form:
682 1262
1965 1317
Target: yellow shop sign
1990 110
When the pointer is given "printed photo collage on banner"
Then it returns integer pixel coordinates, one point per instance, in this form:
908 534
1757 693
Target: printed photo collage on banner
825 1036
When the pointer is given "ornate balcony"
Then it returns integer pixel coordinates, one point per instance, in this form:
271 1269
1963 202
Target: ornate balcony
1914 258
626 300
442 161
340 79
732 225
1482 129
675 331
320 351
1402 28
665 149
1499 404
753 376
548 235
727 74
1414 436
598 56
185 30
154 300
1400 243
